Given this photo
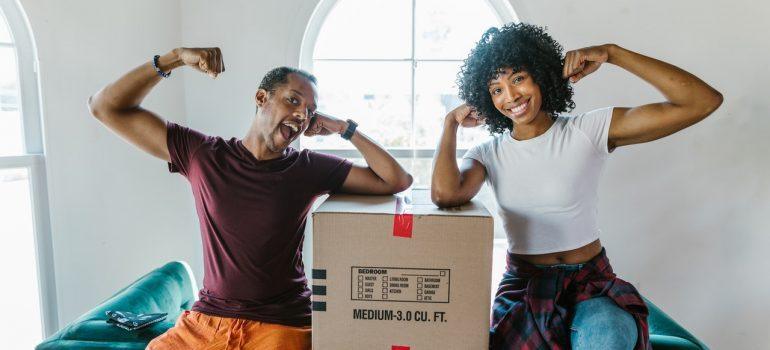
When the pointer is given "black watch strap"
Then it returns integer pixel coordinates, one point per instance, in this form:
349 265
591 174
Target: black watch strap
350 130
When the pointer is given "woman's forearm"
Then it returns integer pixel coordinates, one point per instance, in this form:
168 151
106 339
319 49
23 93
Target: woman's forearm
446 175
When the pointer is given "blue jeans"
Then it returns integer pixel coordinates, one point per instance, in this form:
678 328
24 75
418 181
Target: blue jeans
599 323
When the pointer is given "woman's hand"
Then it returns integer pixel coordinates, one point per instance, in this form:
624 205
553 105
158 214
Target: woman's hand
582 62
465 116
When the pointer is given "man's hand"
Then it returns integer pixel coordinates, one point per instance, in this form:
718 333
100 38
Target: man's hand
582 62
324 124
207 60
465 116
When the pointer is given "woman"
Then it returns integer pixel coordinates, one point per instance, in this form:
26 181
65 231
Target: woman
559 290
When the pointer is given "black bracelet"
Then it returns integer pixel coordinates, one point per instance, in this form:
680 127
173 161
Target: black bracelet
157 69
350 130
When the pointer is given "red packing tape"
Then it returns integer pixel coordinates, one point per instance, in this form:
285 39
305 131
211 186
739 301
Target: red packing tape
399 347
402 221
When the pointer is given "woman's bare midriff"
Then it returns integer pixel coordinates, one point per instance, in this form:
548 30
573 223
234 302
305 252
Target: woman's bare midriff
575 256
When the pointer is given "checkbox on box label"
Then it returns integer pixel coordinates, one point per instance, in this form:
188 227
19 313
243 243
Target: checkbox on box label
400 284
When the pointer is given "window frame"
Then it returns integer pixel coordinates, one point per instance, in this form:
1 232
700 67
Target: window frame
501 8
33 158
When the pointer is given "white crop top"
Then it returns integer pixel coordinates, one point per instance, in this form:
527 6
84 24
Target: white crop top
547 187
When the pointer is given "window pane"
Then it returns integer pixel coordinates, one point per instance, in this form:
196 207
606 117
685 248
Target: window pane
448 29
374 94
5 34
436 95
420 168
366 29
10 117
17 262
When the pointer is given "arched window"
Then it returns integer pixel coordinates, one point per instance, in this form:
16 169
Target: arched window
391 66
29 302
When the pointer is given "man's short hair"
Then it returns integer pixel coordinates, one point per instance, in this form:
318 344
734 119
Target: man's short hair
279 76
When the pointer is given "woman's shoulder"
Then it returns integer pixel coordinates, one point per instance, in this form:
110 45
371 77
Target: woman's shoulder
596 113
587 118
492 143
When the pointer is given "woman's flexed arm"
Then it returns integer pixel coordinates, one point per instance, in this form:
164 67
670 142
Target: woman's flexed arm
452 185
688 99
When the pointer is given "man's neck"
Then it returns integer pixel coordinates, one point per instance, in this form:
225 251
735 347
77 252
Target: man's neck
257 146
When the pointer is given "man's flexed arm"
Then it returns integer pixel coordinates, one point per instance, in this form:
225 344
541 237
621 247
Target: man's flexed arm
117 105
382 175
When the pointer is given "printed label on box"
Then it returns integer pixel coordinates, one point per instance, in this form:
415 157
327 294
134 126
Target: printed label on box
399 284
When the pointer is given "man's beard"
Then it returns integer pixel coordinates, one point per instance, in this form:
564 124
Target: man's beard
270 143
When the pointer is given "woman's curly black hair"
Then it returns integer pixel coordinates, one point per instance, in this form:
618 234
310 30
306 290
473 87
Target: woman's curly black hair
521 47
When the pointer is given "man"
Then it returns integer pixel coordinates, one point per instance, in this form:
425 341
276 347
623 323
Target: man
252 197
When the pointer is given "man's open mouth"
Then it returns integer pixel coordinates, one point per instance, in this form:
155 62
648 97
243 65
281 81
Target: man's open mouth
289 130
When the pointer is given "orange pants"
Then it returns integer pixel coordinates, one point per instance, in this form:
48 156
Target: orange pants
194 330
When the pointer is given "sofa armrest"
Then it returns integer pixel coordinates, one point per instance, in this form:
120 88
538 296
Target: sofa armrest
667 332
169 289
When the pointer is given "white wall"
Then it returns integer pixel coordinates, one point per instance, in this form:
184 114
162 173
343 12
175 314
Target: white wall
254 36
682 217
107 199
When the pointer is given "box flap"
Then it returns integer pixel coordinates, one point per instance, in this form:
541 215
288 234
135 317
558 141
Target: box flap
415 202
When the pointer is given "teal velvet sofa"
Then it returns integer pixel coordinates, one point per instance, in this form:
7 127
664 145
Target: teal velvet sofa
171 288
666 334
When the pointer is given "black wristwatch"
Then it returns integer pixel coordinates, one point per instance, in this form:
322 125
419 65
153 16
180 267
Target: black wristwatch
350 130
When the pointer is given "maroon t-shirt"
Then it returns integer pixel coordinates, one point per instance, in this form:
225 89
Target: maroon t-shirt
252 217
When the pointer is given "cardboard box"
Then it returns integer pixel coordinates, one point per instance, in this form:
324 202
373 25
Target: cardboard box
397 274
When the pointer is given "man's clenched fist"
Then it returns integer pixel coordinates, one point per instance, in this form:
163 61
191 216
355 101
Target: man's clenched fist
207 59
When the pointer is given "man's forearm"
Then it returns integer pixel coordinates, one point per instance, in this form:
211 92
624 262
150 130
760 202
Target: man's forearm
381 162
129 90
